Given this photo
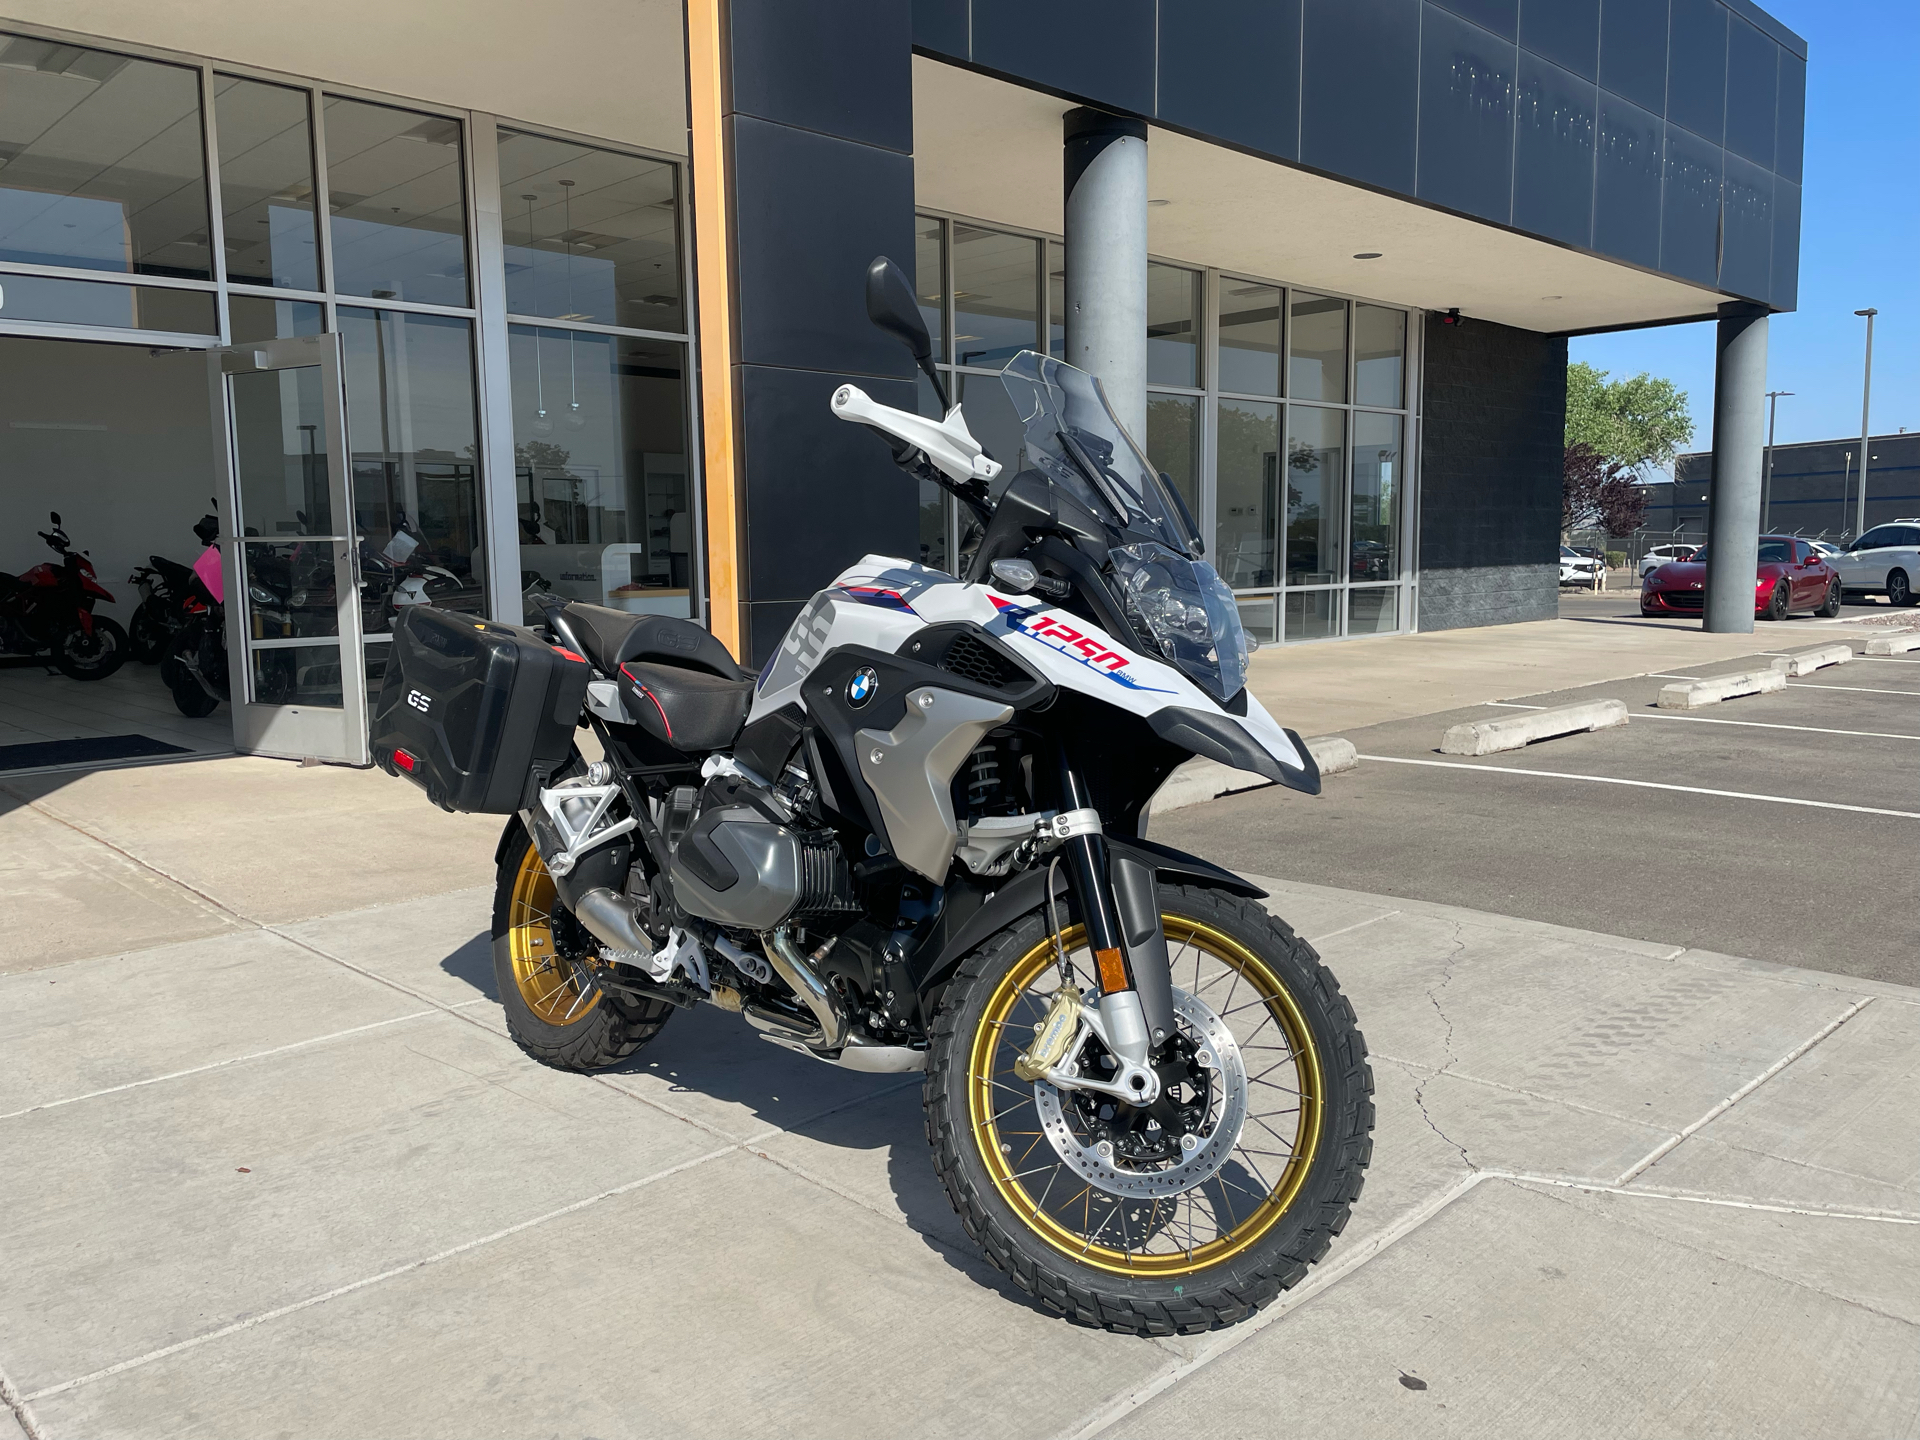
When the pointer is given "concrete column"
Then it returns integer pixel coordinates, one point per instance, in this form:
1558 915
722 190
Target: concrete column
1106 177
1739 445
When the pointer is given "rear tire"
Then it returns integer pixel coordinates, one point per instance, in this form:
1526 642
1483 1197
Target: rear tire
190 697
1830 607
1899 588
1778 605
544 964
81 656
1223 1264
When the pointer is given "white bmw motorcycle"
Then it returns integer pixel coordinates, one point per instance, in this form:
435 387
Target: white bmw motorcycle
913 843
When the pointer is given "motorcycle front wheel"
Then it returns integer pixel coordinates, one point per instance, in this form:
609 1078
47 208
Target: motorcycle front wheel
149 633
1192 1212
81 656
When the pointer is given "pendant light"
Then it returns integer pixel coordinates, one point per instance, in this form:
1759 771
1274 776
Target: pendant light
541 424
575 420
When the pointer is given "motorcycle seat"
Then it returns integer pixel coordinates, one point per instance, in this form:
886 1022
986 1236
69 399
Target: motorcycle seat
613 637
689 709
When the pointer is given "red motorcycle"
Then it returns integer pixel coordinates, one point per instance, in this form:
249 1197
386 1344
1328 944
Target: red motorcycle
49 610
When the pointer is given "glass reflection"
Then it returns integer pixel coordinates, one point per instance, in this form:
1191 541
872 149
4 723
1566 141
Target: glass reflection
94 302
297 675
1373 611
415 458
102 162
996 425
930 280
995 296
1257 619
398 217
600 454
1056 298
1374 544
1312 614
1173 325
590 234
261 317
1317 347
1246 497
1379 351
1173 444
266 184
1316 459
280 452
1249 337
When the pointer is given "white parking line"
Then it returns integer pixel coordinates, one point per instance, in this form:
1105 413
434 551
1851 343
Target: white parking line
1851 689
1710 720
1663 675
1886 660
1645 785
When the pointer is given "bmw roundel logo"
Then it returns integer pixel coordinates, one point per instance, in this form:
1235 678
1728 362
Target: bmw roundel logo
862 687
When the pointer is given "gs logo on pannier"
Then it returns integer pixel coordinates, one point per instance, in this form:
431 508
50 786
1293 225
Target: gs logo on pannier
420 701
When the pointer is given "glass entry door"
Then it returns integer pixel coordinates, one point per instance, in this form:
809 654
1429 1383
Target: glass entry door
295 663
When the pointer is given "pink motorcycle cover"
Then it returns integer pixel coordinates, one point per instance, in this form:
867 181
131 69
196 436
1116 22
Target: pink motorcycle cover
207 567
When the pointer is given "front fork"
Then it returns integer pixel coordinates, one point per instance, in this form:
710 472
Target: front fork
1120 906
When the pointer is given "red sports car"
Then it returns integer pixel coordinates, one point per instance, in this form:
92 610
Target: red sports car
1792 576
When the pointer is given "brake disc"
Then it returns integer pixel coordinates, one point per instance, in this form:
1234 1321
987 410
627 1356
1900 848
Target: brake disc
1203 1152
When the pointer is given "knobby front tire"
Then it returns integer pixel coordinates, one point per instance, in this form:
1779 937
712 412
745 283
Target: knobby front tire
1104 1242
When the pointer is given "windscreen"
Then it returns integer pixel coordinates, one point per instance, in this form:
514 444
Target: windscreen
1076 441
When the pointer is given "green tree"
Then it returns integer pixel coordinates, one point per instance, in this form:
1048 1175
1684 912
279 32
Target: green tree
1638 423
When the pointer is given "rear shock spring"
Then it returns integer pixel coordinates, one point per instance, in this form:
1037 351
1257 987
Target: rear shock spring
983 780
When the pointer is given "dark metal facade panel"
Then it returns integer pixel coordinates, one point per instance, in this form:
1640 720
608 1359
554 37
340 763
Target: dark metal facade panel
810 211
1360 70
1566 32
1626 190
1231 69
1557 125
1697 67
1435 99
820 492
1746 243
1098 50
1467 83
792 64
1784 293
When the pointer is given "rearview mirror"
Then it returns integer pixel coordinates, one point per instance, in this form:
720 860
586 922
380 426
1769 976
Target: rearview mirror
54 515
893 307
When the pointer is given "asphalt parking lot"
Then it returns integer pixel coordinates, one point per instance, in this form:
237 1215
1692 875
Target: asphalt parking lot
1781 827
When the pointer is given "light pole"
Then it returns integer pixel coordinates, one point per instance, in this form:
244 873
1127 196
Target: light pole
1766 496
1866 401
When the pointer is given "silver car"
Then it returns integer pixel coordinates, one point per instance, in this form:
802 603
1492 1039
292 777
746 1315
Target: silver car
1884 561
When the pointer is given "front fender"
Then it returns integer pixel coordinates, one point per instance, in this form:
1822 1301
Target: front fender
1230 741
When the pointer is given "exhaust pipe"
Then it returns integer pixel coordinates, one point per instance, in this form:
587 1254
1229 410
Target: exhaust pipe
814 992
612 922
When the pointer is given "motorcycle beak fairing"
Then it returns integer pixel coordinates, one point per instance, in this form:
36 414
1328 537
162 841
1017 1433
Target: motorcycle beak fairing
915 842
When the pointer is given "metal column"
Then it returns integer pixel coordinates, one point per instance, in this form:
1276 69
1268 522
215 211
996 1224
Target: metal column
1739 442
1106 244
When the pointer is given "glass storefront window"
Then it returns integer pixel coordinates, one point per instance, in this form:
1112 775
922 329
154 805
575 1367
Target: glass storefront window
930 279
1374 541
996 296
1374 610
1317 348
1056 298
1316 462
1312 614
398 213
1249 337
261 317
1379 355
415 457
104 167
1246 492
591 235
1173 325
602 480
1173 443
266 184
124 307
1257 619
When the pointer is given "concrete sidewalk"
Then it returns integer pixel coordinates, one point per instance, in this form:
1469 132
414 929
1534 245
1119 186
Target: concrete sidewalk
287 1175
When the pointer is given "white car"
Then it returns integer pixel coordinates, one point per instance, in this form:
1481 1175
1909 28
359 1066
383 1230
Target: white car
1663 555
1577 569
1884 561
1827 552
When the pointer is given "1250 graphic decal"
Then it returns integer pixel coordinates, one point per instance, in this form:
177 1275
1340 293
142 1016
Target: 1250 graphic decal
1069 642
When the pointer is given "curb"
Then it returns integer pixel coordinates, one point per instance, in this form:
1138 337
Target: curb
1489 737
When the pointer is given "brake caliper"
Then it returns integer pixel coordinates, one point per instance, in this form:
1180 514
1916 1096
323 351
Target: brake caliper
1053 1036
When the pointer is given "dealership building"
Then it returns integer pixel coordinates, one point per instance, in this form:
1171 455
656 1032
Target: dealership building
474 300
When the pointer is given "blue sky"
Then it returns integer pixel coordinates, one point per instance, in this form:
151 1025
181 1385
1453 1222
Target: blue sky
1859 239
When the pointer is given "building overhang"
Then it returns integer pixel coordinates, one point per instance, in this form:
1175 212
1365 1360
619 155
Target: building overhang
991 150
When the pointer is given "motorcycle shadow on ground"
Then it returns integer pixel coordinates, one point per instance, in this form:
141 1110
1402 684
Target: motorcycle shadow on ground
861 1136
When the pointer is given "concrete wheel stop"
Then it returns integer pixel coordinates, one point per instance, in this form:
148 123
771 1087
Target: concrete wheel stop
1489 737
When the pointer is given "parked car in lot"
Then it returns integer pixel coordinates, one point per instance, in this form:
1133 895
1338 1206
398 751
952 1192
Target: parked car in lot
1663 555
1884 561
1791 576
1827 552
1578 569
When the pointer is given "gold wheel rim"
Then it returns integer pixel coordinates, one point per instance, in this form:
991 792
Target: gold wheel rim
557 991
1275 1150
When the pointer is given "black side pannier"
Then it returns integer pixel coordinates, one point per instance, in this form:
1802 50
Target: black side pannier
477 713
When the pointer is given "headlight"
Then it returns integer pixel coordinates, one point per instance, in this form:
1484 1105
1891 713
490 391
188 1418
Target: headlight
1188 612
260 595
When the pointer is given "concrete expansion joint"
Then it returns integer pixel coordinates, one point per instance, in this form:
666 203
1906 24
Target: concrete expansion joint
22 1412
